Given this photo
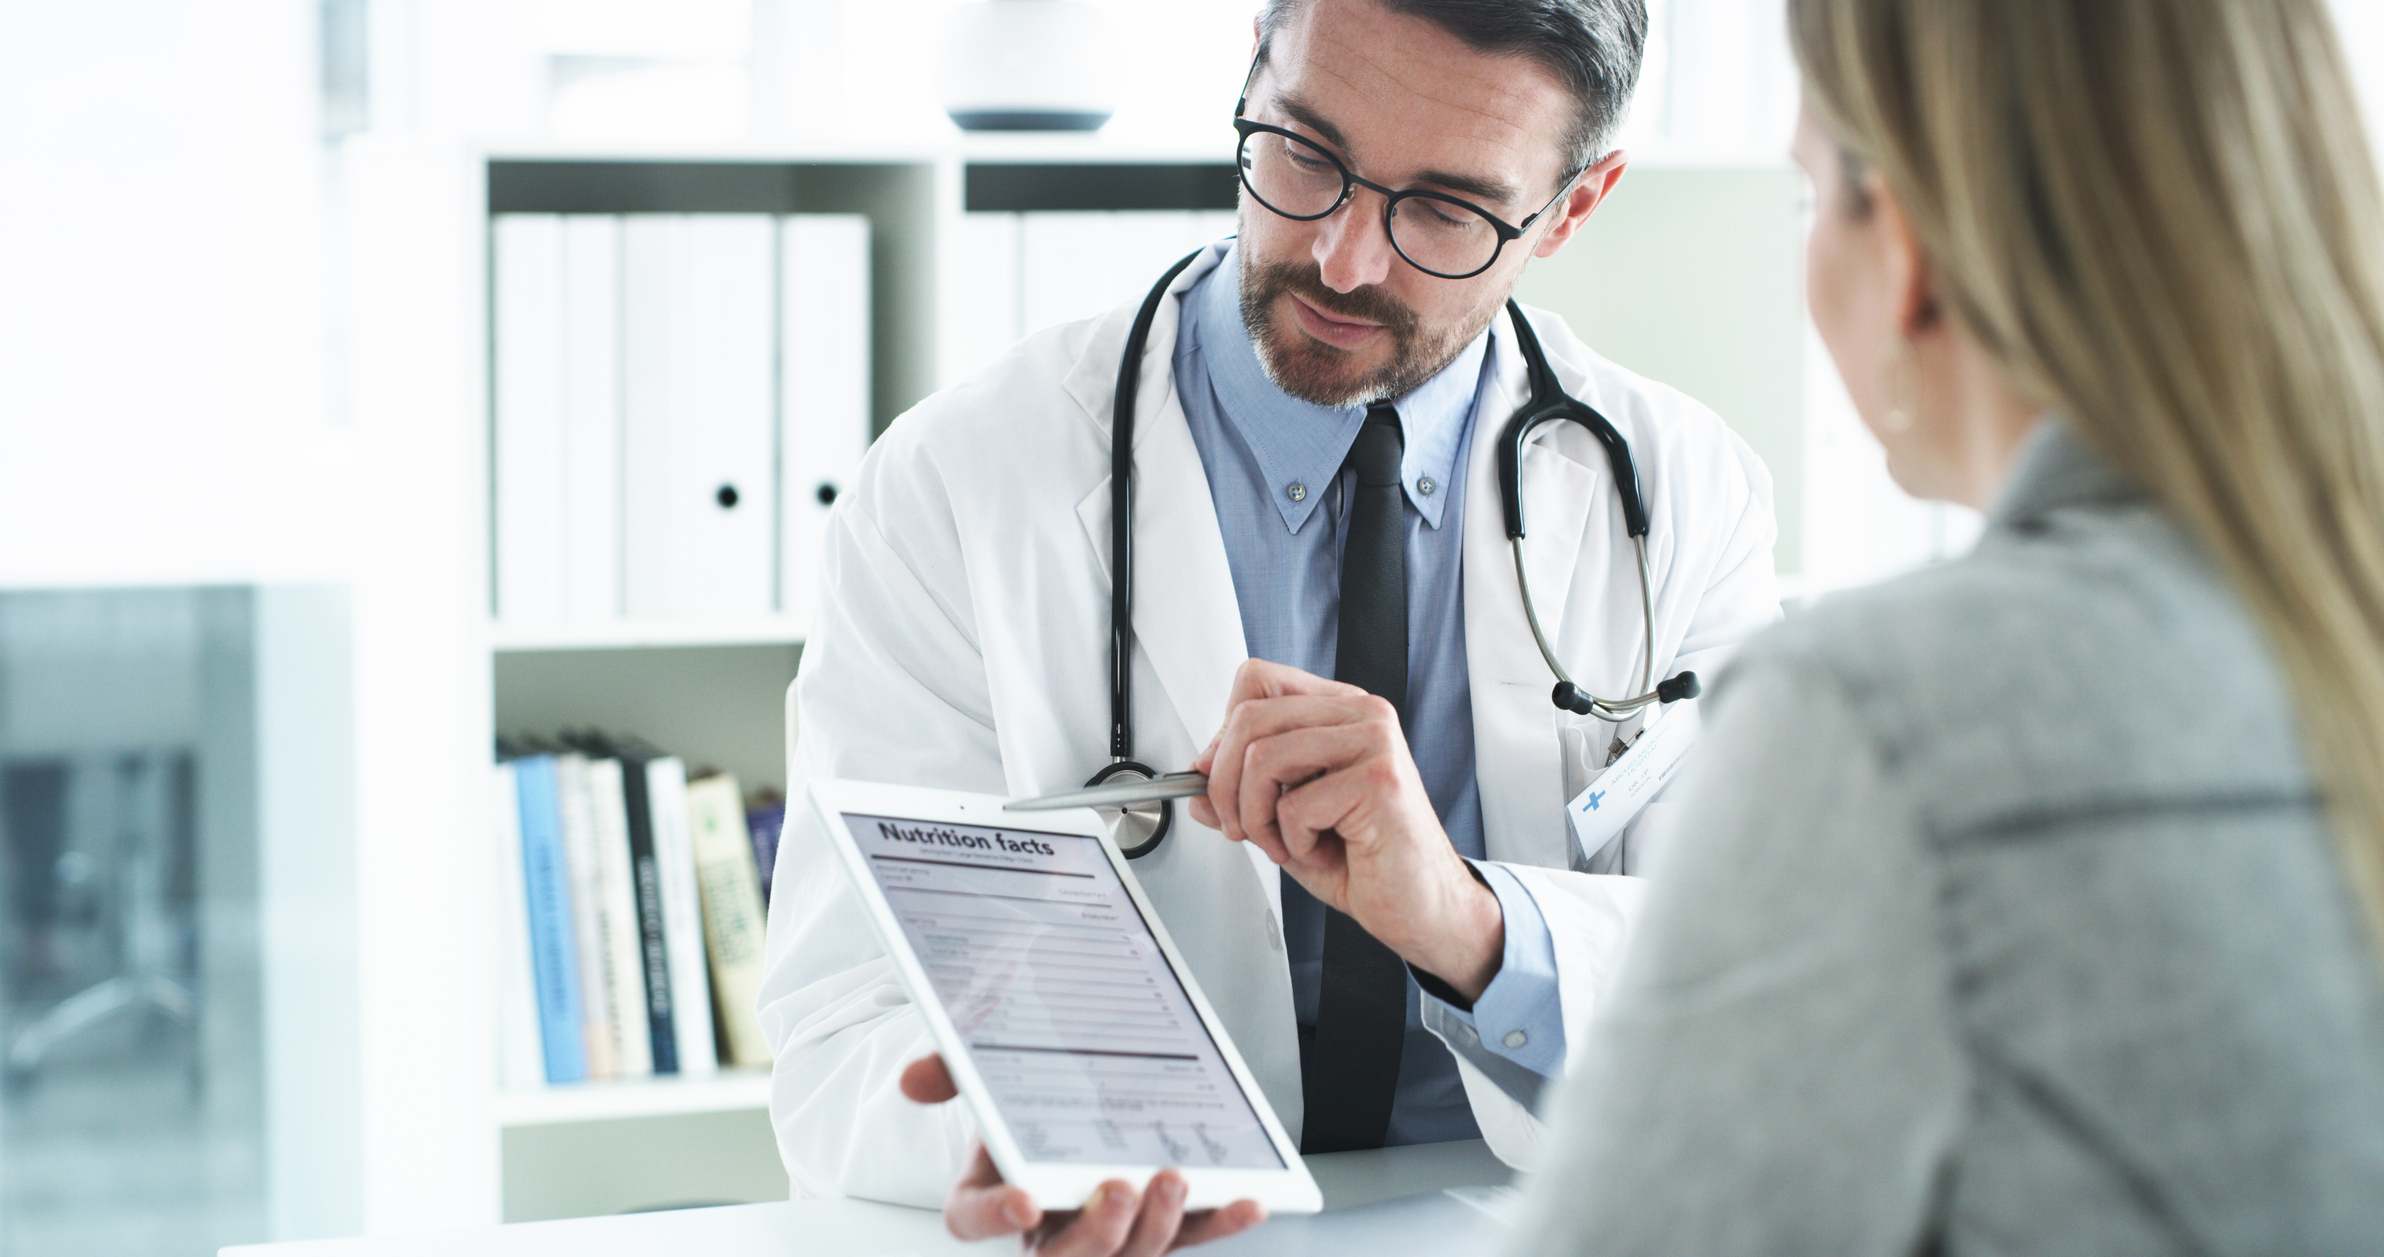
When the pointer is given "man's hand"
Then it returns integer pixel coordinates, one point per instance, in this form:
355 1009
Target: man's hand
1115 1222
1317 773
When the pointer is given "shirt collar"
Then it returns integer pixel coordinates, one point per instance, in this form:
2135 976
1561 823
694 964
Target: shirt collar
1300 446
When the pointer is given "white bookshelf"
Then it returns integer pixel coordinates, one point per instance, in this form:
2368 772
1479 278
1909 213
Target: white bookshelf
627 634
710 690
612 1099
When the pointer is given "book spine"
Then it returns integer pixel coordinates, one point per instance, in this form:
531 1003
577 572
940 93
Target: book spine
766 823
519 1062
733 912
578 821
624 973
554 945
653 946
682 917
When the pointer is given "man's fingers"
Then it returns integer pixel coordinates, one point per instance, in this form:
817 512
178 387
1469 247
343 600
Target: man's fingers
1265 717
1349 800
1266 698
1245 807
926 1081
1259 678
1098 1229
1216 1224
1274 765
982 1206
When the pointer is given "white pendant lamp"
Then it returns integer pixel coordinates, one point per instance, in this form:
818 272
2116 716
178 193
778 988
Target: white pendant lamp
1028 65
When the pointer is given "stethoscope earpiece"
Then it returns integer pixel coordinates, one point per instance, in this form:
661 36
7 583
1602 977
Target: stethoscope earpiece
1570 697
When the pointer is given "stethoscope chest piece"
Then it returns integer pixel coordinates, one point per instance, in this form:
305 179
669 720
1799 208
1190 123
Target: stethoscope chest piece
1138 829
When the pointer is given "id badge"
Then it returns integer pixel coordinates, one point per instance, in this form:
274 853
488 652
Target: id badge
1615 796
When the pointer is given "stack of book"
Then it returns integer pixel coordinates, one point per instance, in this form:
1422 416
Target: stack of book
631 913
679 398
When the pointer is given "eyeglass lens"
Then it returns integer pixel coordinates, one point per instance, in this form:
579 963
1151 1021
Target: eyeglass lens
1300 181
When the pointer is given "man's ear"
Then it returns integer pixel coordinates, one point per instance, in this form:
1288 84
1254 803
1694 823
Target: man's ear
1589 191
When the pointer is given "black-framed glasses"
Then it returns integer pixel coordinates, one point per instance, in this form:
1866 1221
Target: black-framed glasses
1437 233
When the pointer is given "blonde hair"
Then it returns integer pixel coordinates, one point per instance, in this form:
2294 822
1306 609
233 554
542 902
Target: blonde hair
2162 218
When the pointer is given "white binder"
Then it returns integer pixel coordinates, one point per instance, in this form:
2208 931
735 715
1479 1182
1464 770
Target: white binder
698 421
981 296
527 330
1080 264
824 419
591 424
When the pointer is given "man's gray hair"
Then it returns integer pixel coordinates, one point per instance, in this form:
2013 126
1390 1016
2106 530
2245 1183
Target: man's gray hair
1593 47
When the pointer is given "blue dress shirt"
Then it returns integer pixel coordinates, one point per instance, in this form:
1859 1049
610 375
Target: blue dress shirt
1274 467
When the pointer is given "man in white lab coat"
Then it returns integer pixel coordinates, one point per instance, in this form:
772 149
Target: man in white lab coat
963 635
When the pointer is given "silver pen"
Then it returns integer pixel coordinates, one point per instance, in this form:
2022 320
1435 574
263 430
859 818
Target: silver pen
1117 793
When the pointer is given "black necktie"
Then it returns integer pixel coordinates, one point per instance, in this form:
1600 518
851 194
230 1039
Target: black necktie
1361 1008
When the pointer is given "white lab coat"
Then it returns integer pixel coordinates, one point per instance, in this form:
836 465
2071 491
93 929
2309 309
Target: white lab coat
963 642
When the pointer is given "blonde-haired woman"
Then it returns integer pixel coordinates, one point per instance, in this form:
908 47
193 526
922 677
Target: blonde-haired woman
2033 903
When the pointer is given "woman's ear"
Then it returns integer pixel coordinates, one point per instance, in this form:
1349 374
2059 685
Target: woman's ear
1918 311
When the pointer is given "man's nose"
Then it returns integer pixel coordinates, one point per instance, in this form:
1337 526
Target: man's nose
1353 245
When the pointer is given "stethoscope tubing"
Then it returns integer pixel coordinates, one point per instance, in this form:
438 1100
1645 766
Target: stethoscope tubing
1614 710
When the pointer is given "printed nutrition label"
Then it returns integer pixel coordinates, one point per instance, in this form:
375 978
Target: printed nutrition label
1082 1032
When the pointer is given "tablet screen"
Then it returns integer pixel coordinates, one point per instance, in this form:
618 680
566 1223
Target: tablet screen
1080 1029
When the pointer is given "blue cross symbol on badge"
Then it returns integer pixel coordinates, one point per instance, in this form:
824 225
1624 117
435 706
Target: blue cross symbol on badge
1593 800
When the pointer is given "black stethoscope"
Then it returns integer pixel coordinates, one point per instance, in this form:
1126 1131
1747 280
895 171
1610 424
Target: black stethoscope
1141 828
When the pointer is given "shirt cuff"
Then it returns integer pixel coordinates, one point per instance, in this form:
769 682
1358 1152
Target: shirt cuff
1519 1020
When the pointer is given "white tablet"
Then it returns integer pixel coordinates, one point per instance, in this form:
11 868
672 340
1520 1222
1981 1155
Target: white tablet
1070 1024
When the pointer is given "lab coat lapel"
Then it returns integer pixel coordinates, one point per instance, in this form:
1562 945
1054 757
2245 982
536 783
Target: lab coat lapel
1516 754
1188 627
1186 618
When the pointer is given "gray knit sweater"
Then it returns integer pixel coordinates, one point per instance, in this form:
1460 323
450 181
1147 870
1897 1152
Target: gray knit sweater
2002 918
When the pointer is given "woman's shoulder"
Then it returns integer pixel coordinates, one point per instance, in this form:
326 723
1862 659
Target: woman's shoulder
2078 653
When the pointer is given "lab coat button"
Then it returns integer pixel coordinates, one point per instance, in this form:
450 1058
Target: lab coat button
1516 1038
1296 491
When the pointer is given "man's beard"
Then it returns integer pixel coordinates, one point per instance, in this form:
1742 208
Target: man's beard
1323 374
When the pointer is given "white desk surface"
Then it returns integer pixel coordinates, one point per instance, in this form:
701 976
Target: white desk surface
1384 1201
